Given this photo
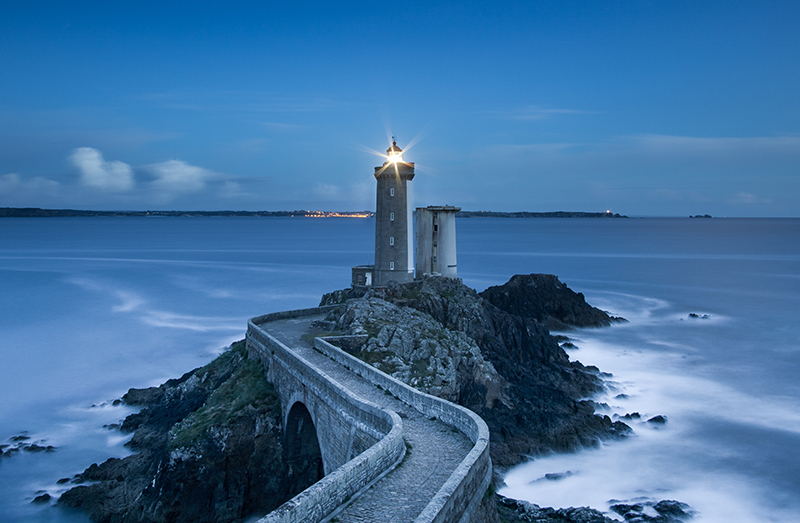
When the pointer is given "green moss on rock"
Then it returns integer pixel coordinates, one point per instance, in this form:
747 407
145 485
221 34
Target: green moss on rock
246 388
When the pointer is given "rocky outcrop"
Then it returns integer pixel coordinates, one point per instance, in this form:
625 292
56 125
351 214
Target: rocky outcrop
665 511
22 442
209 450
416 349
518 511
542 297
439 335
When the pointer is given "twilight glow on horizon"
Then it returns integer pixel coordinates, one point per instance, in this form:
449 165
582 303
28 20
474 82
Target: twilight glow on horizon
643 108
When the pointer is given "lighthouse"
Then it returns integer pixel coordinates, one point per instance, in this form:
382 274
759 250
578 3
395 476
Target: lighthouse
394 248
394 245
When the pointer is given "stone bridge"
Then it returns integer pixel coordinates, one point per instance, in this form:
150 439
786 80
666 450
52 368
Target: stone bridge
362 446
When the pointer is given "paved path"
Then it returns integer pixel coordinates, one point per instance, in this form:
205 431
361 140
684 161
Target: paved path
435 451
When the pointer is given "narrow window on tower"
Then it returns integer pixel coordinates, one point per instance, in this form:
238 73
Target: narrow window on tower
391 191
391 266
391 216
391 240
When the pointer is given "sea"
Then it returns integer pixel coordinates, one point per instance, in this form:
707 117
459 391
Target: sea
90 307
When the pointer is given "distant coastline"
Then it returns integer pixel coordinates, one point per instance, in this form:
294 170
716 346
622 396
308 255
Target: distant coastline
524 214
35 212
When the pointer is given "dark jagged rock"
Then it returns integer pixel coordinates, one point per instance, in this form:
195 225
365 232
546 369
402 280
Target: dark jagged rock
33 447
668 511
622 508
519 380
555 476
42 498
22 442
518 511
544 298
209 450
659 420
341 296
676 509
140 397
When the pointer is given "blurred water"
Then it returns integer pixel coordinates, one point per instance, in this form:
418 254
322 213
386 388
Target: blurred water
92 306
728 384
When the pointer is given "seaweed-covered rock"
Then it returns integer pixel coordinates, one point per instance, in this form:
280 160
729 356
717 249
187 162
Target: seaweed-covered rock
209 450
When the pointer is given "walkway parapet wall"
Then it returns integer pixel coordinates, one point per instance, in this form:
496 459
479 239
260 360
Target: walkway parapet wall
460 496
296 313
320 499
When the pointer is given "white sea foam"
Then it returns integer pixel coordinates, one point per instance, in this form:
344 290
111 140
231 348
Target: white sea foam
173 320
657 376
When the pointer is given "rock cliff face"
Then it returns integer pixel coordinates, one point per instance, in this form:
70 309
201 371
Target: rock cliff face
439 335
209 450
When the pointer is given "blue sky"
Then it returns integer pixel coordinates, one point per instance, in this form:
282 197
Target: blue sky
645 108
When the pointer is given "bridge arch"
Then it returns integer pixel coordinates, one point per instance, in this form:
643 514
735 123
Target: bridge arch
301 445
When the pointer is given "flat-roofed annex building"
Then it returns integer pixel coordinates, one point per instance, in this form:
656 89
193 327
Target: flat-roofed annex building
436 241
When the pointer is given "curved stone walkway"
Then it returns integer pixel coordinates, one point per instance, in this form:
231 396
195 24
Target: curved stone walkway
434 448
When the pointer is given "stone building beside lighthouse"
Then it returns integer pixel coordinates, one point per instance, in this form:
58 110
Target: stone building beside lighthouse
394 230
436 241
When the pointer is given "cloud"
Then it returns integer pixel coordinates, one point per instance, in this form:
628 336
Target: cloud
748 198
327 191
245 101
175 177
9 182
717 145
276 126
95 172
536 112
231 189
13 183
649 152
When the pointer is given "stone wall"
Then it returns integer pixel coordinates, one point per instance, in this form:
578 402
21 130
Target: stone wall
461 495
346 426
